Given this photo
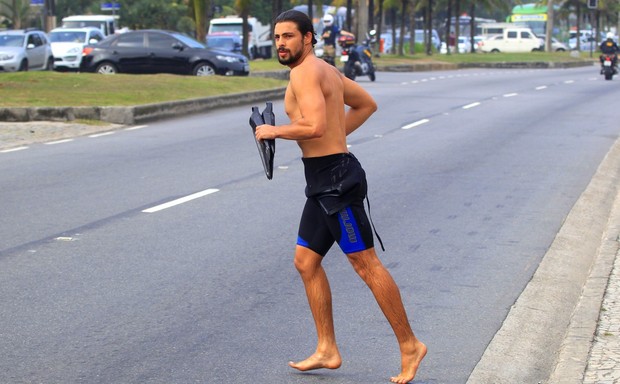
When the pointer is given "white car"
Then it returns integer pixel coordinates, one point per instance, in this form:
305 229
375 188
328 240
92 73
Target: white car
556 46
67 45
24 50
464 45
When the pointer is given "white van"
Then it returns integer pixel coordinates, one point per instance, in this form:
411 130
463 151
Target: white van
512 40
106 23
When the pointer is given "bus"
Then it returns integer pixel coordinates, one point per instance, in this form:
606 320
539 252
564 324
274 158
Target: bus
532 15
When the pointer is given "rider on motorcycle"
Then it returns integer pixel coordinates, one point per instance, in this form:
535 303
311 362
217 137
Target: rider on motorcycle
609 47
330 33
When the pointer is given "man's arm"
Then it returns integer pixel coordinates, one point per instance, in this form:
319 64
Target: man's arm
361 105
310 101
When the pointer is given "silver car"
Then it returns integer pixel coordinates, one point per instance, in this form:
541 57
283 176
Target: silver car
25 49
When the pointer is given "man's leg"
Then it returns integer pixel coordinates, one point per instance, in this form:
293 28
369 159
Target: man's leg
308 263
386 292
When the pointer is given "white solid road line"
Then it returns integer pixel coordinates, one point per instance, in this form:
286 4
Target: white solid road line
135 127
101 134
13 149
58 142
181 200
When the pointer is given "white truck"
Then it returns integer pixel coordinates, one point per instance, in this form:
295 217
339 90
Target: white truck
259 44
106 23
512 40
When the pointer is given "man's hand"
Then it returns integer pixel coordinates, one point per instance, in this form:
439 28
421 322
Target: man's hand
265 132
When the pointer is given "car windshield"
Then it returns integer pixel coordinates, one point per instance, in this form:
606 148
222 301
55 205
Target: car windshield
11 40
68 37
236 28
188 40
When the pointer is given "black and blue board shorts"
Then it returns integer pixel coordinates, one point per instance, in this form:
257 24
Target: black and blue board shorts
334 211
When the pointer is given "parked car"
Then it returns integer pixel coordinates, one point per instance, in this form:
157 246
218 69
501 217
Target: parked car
556 45
225 41
68 43
25 49
464 45
158 51
512 40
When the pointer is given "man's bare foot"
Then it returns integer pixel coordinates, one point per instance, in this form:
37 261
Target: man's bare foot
317 361
410 362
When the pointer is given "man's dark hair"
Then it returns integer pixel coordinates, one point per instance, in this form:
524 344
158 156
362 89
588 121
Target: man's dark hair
303 22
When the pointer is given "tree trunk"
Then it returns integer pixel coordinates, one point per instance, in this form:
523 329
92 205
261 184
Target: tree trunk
448 27
362 20
472 24
403 22
549 29
200 15
412 28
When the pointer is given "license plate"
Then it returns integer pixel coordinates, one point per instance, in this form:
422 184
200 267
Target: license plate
344 59
607 63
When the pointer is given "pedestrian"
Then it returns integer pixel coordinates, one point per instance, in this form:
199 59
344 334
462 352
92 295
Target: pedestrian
315 102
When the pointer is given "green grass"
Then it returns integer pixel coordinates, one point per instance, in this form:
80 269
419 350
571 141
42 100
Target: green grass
49 89
52 89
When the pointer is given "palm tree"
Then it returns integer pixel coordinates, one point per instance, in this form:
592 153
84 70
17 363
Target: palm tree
16 11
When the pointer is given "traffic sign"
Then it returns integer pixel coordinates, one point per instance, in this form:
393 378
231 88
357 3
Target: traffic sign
110 6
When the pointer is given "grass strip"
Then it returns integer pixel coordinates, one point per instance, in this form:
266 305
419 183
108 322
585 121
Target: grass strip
54 89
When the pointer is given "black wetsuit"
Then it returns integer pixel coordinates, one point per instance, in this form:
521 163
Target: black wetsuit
334 211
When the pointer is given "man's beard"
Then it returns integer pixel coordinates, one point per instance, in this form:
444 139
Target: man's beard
292 58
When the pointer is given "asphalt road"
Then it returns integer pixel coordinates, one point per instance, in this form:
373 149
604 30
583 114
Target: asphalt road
471 175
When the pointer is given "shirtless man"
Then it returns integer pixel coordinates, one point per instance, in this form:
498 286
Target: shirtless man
315 102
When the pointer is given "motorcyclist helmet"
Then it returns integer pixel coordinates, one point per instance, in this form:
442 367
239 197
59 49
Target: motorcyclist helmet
328 20
610 35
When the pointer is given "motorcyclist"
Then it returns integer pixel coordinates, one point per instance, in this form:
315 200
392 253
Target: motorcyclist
609 47
329 36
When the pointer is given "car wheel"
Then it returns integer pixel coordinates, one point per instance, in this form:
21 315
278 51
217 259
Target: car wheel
106 69
495 50
23 66
204 69
560 50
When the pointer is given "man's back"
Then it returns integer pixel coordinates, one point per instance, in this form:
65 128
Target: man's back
609 46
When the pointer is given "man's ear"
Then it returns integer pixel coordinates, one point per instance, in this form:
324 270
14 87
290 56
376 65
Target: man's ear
308 38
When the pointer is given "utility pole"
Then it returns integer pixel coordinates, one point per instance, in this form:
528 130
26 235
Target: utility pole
49 11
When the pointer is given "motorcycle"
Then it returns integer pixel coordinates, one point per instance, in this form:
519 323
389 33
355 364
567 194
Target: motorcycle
357 59
608 69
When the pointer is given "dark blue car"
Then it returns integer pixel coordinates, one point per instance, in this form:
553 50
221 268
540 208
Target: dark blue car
158 51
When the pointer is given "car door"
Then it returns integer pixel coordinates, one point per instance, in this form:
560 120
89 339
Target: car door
167 54
511 42
128 53
35 50
528 42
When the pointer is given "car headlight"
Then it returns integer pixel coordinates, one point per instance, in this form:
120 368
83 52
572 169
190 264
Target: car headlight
229 59
6 56
74 51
